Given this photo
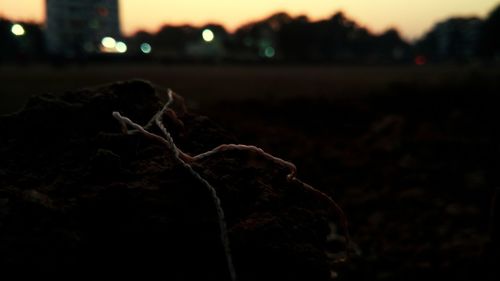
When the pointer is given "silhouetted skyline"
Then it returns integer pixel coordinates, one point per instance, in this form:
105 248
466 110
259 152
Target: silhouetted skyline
92 31
412 18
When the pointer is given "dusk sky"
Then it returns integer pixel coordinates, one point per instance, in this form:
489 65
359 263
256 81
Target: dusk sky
411 17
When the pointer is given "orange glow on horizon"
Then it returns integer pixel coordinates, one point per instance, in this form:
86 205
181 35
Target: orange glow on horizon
411 17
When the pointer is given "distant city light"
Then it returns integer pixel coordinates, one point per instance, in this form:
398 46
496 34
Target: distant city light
420 60
103 11
269 52
108 42
17 30
121 47
208 35
146 48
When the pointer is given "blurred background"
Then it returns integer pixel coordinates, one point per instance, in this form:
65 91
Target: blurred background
326 32
390 106
60 44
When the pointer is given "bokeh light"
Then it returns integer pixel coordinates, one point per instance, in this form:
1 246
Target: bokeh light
108 42
208 35
121 47
420 60
146 48
17 30
269 52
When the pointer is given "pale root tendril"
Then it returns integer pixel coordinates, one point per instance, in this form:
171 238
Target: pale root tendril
185 160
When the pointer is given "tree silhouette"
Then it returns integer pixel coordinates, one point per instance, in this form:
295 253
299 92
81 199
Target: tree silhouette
490 34
336 39
453 39
175 38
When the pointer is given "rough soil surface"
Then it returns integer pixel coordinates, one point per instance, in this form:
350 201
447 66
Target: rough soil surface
415 171
81 200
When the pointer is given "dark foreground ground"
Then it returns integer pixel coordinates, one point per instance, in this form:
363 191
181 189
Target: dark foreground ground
411 154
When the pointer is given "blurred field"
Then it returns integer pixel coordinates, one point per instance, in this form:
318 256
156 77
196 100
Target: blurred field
411 153
210 84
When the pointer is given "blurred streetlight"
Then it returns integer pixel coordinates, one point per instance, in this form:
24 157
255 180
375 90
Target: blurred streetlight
17 30
208 35
121 47
269 52
108 42
146 48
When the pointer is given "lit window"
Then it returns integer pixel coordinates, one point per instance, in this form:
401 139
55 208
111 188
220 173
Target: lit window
102 11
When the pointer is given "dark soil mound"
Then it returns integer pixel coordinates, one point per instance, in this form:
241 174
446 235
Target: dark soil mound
415 170
81 200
